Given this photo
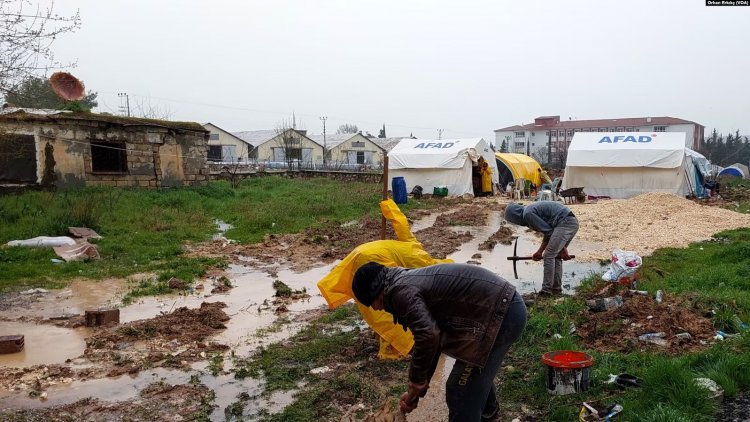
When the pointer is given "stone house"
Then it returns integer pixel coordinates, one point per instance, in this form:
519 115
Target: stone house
66 149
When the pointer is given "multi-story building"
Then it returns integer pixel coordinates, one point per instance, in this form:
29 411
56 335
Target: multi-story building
549 135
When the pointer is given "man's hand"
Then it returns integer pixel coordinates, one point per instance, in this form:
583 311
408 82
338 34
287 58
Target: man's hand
537 256
564 255
410 399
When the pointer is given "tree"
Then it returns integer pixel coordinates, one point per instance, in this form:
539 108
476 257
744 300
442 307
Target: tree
27 33
36 92
144 108
381 135
503 146
289 142
347 128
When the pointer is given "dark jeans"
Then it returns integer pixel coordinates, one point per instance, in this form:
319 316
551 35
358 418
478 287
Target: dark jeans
470 391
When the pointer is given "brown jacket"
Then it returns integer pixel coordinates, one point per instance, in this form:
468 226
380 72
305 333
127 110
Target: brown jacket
456 309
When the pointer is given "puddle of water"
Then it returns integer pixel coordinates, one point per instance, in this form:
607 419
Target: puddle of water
43 344
222 228
529 272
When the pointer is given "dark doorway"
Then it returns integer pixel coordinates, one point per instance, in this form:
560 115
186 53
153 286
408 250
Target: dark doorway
18 159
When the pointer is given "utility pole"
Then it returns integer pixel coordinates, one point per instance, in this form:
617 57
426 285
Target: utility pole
324 118
440 134
127 102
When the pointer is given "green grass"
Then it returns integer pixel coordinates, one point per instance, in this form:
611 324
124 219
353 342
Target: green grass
714 275
145 230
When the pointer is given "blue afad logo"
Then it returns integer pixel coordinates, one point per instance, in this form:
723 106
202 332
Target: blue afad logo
623 139
435 145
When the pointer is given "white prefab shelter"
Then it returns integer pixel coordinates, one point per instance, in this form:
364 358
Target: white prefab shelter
626 164
440 163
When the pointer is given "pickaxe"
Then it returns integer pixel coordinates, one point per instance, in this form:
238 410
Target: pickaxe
515 258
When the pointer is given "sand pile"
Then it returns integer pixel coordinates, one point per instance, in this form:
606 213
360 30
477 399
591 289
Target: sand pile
648 222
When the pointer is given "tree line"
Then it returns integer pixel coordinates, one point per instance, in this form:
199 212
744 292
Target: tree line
726 150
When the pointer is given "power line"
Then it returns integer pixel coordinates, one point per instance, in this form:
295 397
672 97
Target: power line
286 113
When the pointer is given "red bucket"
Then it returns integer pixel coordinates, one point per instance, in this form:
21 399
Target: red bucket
568 371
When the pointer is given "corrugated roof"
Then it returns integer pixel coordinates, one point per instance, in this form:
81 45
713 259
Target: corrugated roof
388 143
332 140
256 137
603 123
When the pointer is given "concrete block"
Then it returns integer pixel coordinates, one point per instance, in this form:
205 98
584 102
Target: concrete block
11 344
99 317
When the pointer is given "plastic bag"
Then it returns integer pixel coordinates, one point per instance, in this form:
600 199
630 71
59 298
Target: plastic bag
624 264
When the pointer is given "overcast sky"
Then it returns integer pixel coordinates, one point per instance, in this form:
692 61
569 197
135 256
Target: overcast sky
467 67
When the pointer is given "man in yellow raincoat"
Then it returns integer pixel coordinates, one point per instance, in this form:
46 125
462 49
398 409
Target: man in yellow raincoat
406 252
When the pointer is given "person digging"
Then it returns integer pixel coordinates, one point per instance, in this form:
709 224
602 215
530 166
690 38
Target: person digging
464 311
559 225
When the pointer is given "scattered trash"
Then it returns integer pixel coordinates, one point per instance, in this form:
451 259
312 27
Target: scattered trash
715 389
43 242
568 371
556 336
57 261
83 233
603 304
34 291
624 264
659 296
572 329
592 413
655 338
684 336
320 370
738 322
626 380
639 292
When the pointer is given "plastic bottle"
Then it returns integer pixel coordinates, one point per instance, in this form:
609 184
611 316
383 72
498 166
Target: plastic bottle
659 296
603 304
656 338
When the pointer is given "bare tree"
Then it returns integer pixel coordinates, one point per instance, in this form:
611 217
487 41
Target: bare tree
287 139
27 32
239 168
144 108
347 128
541 155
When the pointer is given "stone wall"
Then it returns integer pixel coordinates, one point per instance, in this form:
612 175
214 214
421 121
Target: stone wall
154 156
220 173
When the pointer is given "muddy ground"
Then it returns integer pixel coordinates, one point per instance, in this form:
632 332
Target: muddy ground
179 337
619 329
157 402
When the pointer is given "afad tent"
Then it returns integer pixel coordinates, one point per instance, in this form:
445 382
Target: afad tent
626 164
440 163
513 166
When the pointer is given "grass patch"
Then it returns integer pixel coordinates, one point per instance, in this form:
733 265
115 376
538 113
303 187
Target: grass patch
145 230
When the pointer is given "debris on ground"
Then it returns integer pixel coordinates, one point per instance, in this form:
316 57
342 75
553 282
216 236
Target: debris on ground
157 402
170 340
619 329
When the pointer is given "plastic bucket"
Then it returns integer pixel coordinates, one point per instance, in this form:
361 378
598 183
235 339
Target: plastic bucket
398 186
568 371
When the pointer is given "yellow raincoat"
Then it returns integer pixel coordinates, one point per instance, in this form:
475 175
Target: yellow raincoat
336 287
486 178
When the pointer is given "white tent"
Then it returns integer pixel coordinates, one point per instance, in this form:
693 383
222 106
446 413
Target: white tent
440 163
626 164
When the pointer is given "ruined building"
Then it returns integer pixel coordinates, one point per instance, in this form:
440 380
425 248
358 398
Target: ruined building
65 149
